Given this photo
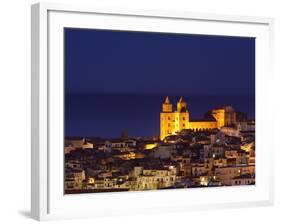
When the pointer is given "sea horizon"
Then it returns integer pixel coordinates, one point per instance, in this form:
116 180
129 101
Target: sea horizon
107 115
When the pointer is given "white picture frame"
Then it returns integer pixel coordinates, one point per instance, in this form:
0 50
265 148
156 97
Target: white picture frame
48 201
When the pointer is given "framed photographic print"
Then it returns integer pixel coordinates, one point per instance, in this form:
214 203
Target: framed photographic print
137 111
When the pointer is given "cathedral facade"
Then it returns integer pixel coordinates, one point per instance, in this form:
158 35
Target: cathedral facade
173 121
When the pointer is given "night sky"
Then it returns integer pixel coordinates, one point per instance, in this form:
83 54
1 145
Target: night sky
116 80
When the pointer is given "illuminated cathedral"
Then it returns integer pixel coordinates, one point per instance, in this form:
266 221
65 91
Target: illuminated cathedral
173 121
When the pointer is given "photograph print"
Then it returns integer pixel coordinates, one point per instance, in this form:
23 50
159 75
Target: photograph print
154 111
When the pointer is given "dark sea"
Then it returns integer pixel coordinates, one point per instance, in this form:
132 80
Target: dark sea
108 115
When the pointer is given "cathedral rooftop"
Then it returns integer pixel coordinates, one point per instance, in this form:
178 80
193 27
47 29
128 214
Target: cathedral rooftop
167 100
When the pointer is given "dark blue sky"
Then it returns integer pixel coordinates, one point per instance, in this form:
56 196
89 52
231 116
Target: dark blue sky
137 62
101 62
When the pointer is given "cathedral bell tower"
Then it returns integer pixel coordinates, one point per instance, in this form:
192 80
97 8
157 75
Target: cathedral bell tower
171 121
181 105
167 106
